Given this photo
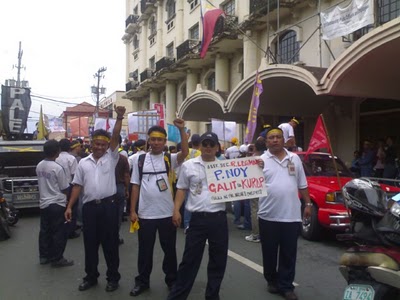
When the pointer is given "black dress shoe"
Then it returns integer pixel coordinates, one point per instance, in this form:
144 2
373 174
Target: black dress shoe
111 286
86 285
138 289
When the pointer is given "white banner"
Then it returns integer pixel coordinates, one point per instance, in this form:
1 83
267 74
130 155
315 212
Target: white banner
101 123
235 179
225 130
339 21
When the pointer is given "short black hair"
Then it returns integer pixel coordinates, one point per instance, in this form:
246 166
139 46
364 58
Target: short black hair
101 132
80 141
171 148
65 145
157 129
51 148
260 145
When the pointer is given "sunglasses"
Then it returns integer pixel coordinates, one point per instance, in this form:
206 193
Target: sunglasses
207 143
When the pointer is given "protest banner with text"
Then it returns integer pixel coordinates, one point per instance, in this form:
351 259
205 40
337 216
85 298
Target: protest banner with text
235 179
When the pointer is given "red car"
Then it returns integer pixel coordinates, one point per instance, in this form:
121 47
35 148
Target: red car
328 210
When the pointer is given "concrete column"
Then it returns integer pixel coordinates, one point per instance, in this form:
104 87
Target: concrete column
154 97
222 73
170 105
179 26
160 26
250 60
143 46
135 104
192 79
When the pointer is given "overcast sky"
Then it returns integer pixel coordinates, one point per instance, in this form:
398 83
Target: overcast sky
64 44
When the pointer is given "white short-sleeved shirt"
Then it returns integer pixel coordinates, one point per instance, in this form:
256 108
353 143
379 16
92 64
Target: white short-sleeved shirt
97 179
282 203
192 174
133 157
52 181
153 203
69 163
232 152
288 131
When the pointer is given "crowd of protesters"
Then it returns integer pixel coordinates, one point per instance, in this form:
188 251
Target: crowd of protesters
161 188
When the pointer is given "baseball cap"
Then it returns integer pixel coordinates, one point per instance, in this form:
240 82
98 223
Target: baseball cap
209 136
195 138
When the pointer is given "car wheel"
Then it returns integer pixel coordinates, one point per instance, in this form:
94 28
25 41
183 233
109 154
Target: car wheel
311 230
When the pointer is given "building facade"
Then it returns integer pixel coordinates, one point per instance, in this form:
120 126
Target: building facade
350 79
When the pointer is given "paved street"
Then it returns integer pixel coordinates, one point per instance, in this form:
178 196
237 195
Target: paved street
22 277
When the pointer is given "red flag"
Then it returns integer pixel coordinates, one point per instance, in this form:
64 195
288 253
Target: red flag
209 17
319 138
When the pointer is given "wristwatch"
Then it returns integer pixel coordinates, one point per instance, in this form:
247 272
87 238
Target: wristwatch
309 204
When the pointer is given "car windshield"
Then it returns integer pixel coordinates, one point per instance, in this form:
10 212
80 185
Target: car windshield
322 165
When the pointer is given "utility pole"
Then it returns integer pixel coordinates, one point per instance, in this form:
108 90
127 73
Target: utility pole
20 52
96 89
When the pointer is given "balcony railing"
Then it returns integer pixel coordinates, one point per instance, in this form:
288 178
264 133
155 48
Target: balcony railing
132 19
228 25
146 74
261 6
146 4
131 85
187 47
164 62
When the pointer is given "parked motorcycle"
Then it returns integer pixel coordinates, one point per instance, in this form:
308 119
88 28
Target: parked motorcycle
8 217
371 266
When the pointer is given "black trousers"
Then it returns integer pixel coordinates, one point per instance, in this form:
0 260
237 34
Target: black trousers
147 237
53 232
279 237
203 226
100 226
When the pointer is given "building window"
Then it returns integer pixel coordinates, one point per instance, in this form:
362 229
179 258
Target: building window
193 4
288 49
152 63
170 8
153 25
211 82
388 10
194 32
229 8
170 50
135 42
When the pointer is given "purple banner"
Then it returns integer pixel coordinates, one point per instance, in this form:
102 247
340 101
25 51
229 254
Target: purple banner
255 102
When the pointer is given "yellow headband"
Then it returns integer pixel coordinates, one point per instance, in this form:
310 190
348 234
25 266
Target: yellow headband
75 145
101 137
157 134
294 120
276 131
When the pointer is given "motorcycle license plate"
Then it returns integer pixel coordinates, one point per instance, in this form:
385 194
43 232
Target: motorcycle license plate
359 292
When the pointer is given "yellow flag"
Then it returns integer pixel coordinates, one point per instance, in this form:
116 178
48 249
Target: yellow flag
42 130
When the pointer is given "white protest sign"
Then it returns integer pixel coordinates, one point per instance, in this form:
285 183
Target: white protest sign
235 179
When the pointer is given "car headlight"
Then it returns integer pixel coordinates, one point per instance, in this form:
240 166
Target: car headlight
395 209
335 197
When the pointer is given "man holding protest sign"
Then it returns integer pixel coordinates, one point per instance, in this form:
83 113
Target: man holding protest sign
280 213
208 222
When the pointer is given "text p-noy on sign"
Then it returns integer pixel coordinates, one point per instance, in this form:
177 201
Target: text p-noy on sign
236 179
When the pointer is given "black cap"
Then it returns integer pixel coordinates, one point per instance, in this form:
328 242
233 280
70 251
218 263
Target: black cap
209 136
195 138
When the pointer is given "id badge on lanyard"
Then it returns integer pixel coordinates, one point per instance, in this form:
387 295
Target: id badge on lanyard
291 169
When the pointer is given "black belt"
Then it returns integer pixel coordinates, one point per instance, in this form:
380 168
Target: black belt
208 214
109 199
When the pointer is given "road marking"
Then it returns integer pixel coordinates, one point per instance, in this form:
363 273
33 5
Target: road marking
249 263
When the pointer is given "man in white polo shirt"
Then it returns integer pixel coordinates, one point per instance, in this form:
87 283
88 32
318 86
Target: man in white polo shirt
95 179
279 213
208 223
